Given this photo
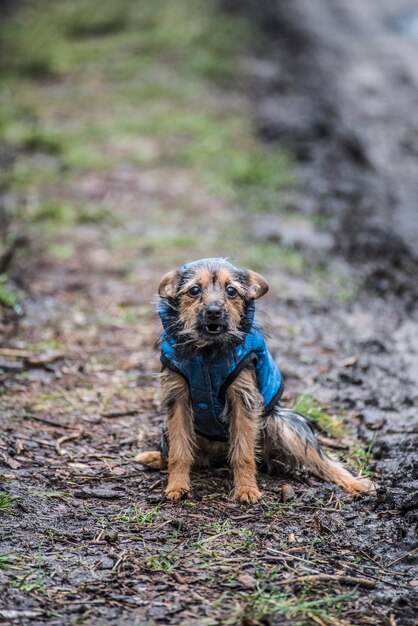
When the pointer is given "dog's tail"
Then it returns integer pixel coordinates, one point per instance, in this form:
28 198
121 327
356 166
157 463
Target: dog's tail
288 441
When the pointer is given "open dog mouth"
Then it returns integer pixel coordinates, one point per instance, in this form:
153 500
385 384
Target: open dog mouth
214 328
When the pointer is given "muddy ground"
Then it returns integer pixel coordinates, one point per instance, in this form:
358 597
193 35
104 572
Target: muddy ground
338 83
86 536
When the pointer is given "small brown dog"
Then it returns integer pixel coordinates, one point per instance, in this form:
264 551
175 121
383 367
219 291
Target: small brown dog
221 387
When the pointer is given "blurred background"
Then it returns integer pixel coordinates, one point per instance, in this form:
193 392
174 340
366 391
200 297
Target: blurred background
167 99
277 133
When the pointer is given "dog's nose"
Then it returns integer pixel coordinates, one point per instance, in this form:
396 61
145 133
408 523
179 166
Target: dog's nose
213 312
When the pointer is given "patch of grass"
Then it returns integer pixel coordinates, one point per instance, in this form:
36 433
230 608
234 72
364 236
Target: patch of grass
62 251
5 503
161 53
30 171
218 526
95 215
60 495
30 583
44 346
82 18
269 254
8 298
275 507
317 414
33 581
51 211
361 457
137 515
247 537
9 561
57 213
21 53
158 563
38 140
166 249
302 610
333 282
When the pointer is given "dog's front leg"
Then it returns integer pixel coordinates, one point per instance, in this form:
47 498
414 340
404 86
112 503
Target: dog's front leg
181 438
244 409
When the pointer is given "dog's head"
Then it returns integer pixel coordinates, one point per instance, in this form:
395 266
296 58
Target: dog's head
209 303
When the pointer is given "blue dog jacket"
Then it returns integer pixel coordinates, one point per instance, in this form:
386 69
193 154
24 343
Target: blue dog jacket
208 380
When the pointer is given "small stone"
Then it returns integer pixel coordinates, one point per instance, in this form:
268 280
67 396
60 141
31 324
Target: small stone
288 493
154 498
104 494
246 580
177 523
373 421
107 562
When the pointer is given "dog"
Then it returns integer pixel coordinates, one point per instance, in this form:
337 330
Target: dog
221 388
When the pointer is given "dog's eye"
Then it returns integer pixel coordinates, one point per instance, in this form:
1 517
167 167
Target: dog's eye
231 291
194 291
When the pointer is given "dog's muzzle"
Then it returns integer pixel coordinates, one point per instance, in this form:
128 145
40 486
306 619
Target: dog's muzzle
214 322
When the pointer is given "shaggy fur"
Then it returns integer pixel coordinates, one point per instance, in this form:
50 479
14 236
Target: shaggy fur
282 440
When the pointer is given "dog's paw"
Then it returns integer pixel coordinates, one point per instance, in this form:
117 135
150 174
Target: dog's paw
176 492
250 495
152 459
361 485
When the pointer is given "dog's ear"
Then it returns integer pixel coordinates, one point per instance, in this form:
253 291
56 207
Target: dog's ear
257 285
168 284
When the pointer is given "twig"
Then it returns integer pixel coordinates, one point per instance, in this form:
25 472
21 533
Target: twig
48 422
401 558
178 578
292 556
15 352
65 438
376 564
119 413
316 578
155 485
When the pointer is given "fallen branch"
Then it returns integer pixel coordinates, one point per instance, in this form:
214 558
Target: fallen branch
325 578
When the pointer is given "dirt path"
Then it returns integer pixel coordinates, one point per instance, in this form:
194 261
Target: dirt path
129 163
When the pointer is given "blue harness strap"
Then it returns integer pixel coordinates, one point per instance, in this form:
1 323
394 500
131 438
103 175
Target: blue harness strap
208 380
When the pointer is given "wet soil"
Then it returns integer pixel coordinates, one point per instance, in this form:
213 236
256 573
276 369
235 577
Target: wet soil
89 538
